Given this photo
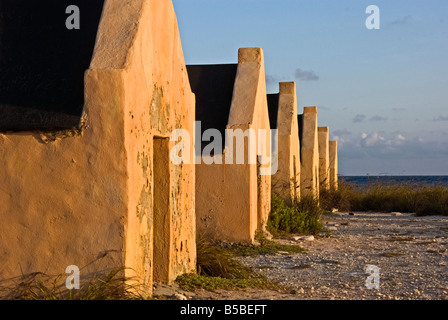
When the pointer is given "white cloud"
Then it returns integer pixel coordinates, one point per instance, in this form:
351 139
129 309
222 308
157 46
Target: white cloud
396 141
379 150
372 139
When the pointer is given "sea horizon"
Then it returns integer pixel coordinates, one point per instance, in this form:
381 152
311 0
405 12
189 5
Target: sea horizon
393 175
423 180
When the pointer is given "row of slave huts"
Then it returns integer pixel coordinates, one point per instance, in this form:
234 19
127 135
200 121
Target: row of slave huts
93 184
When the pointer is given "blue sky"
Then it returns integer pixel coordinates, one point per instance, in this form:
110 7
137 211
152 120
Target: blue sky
383 93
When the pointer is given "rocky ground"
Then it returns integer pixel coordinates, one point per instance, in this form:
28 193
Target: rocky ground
410 253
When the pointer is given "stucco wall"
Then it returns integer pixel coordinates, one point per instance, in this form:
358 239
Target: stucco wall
63 199
159 100
223 213
71 199
233 200
324 158
333 150
309 174
286 182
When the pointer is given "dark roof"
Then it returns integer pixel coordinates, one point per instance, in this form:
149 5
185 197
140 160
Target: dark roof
213 87
273 109
300 124
42 63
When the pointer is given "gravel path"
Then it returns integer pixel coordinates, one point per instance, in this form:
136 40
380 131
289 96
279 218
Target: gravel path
410 253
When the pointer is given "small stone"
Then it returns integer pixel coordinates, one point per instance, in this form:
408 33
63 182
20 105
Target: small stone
397 214
179 296
351 213
333 210
332 228
303 238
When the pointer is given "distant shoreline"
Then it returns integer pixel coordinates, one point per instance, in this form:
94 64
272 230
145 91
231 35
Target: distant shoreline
396 175
420 180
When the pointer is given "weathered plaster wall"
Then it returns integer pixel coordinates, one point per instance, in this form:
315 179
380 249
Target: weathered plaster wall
309 174
233 200
333 151
159 100
225 213
250 110
63 199
286 182
324 158
72 200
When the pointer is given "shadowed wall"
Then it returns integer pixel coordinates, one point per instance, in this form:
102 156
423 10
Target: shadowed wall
42 63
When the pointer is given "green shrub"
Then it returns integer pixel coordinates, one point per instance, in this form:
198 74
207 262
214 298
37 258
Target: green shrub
218 269
190 282
302 217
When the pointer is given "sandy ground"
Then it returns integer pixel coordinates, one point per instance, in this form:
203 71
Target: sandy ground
409 255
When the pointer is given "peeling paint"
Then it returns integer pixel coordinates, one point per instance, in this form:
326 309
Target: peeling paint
144 203
159 111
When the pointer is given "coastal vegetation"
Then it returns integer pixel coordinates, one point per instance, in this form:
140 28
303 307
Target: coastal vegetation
301 217
218 266
410 197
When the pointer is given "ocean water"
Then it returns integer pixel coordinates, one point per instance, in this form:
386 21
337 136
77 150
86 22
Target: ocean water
361 181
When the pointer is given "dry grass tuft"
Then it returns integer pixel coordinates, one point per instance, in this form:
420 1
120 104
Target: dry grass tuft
383 197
